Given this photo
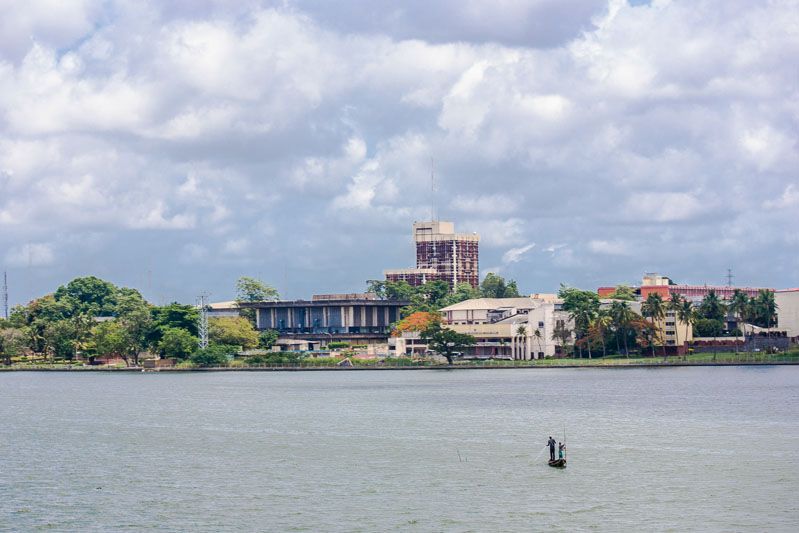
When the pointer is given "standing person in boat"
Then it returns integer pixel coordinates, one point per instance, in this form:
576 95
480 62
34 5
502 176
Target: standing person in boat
551 444
561 450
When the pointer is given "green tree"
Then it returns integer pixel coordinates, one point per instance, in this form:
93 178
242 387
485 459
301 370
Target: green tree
60 338
267 338
582 307
90 295
213 356
108 338
765 308
446 342
623 292
654 309
622 316
738 306
174 315
712 307
249 290
676 305
177 343
254 290
234 331
597 329
495 286
136 323
13 343
562 335
686 314
708 327
462 292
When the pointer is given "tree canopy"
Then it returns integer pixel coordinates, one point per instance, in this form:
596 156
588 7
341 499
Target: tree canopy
232 331
254 290
445 341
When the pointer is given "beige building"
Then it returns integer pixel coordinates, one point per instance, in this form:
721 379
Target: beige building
670 329
516 328
787 301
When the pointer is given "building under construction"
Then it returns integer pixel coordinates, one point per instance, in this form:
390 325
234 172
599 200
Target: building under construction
441 255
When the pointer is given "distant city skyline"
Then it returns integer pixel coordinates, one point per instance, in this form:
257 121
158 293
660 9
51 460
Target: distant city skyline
174 148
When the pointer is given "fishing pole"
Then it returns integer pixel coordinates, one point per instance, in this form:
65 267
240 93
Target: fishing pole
539 453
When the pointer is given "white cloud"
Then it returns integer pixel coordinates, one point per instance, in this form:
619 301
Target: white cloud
30 254
496 232
219 119
237 246
612 247
485 204
789 198
514 255
663 207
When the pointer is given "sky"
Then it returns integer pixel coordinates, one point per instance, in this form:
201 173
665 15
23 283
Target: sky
175 146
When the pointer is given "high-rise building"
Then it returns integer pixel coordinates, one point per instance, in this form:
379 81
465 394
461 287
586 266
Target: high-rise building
441 255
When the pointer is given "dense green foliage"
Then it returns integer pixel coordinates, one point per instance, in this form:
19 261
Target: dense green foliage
623 292
177 343
233 330
267 338
708 327
494 286
435 295
89 318
213 356
445 341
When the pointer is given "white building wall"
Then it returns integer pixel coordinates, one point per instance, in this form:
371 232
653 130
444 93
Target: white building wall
788 311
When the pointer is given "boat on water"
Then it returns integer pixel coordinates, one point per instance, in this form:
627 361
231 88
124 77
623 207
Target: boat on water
558 463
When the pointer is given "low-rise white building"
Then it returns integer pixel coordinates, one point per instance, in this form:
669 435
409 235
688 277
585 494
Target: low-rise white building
787 301
514 328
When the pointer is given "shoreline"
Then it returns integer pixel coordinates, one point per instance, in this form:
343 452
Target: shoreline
680 364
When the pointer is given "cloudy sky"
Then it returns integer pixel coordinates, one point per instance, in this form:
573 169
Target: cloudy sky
174 146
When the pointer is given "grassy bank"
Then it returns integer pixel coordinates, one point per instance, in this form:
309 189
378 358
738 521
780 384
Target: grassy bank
328 363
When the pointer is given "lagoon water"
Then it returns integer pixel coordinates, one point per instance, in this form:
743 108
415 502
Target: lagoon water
649 449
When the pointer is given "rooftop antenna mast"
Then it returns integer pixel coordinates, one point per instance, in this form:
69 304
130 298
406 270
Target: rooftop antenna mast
5 295
202 320
729 277
432 190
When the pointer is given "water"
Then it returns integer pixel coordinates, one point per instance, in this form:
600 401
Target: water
649 449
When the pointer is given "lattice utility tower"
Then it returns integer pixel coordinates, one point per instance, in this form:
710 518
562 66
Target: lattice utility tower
729 277
202 320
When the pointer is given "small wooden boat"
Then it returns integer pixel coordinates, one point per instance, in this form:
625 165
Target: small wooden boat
558 463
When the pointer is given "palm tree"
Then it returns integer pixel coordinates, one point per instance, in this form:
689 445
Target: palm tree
654 309
622 315
738 307
598 328
675 305
766 307
582 317
561 334
521 331
712 307
537 335
686 315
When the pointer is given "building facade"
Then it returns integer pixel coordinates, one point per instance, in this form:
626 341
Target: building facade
354 318
512 328
665 287
441 255
787 301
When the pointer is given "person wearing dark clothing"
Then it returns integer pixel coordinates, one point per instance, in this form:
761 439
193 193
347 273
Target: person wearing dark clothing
551 444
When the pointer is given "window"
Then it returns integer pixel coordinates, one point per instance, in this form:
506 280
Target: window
540 324
669 324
